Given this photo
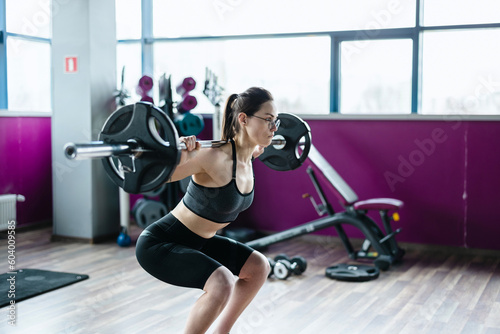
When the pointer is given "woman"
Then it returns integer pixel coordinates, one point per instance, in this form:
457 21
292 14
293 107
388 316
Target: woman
183 249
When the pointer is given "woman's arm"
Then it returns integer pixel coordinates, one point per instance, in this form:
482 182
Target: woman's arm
190 162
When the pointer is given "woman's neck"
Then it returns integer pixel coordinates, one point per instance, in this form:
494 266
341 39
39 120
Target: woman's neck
244 147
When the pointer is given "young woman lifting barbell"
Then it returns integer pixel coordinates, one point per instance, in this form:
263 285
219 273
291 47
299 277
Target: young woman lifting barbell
183 249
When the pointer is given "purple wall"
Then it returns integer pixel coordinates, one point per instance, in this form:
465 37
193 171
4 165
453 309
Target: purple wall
483 185
25 166
446 172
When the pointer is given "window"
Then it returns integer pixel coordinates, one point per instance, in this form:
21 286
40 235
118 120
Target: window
320 57
128 60
28 79
190 59
228 17
25 77
295 70
376 79
29 17
454 12
460 72
128 19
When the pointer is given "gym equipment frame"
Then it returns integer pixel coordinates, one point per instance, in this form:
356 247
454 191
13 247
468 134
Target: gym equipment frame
386 250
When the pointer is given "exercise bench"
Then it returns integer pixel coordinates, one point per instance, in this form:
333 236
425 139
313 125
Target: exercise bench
378 246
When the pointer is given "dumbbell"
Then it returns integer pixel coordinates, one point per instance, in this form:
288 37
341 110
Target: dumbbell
272 264
283 267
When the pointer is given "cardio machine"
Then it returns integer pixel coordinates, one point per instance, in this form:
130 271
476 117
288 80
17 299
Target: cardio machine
378 246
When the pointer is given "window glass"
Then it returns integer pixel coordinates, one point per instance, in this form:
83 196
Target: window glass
224 17
29 17
452 12
128 55
295 70
28 75
128 19
190 59
460 73
376 77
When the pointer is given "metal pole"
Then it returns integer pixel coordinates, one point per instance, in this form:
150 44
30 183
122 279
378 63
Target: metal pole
99 149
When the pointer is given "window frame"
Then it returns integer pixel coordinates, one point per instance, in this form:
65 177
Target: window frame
414 33
3 57
147 41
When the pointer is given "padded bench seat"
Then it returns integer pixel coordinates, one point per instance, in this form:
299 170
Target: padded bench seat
378 204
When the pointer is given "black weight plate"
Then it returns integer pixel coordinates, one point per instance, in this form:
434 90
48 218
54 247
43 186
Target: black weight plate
291 156
137 205
282 269
272 263
156 192
301 264
352 272
282 256
151 128
148 212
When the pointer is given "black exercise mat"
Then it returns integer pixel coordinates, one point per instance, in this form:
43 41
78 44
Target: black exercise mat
33 282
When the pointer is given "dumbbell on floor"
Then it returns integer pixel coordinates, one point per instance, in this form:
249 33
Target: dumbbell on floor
283 267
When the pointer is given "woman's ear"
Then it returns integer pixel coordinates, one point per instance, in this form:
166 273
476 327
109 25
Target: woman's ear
242 118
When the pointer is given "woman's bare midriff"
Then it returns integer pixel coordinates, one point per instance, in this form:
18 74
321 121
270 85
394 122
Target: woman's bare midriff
203 227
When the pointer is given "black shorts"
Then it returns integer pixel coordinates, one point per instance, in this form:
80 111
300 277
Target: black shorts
171 252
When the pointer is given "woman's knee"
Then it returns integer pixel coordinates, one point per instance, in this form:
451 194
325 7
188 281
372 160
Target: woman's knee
256 267
220 284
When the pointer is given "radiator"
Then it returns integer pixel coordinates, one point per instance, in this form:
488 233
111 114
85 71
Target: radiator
8 209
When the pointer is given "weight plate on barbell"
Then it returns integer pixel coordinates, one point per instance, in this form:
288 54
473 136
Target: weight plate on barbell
297 135
153 130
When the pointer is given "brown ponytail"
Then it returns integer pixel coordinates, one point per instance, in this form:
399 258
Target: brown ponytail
229 121
248 102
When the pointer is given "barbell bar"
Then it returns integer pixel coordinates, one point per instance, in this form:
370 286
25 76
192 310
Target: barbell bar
100 149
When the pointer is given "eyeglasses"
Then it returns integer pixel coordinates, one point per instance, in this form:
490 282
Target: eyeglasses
271 123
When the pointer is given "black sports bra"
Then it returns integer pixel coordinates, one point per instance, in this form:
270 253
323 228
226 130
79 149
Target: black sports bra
221 204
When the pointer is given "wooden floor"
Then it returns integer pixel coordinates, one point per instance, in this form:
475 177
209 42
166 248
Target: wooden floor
434 290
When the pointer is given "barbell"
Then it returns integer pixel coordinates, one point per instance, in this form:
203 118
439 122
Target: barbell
140 149
100 149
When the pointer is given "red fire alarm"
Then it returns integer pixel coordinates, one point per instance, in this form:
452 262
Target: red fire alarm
70 64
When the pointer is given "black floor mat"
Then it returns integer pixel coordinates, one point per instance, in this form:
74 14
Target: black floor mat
26 283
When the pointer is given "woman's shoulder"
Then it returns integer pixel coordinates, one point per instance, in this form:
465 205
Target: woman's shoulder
216 155
217 165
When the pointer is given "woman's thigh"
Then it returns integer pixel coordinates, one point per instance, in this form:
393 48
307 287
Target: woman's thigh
174 263
230 253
